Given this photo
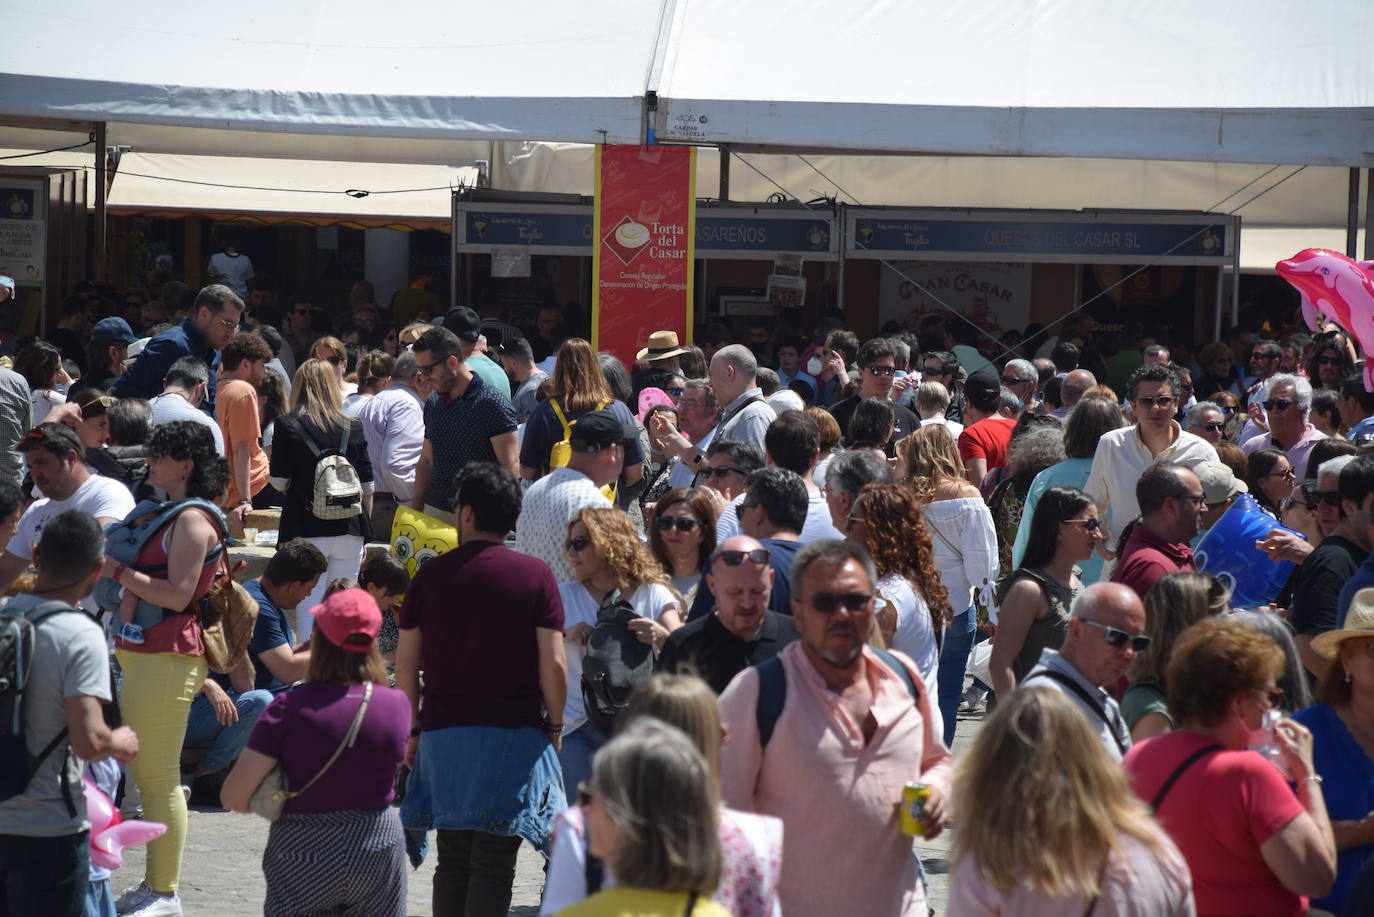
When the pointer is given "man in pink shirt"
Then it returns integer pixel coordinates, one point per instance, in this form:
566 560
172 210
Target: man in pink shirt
848 736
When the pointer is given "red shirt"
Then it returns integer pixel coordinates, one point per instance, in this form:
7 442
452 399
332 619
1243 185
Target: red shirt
1219 813
1146 557
987 439
179 629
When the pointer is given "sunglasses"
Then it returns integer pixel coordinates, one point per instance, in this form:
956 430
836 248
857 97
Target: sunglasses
882 370
1228 411
1289 502
1278 404
1117 638
932 370
1010 380
827 603
304 311
1281 474
722 470
1329 361
1329 497
674 392
1091 525
1214 427
428 368
1274 697
681 523
1163 401
758 556
577 544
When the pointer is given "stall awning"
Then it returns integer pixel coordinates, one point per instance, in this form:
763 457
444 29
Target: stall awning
288 190
1261 247
68 161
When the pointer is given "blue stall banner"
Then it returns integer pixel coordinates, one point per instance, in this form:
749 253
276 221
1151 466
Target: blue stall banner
1083 238
731 233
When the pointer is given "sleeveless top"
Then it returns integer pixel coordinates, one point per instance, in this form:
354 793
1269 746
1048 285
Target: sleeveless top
1046 632
179 629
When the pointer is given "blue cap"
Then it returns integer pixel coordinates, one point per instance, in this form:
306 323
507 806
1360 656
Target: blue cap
112 331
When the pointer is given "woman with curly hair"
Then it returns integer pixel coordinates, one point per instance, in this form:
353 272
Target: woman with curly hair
1218 372
965 547
887 520
682 537
166 667
608 559
1034 600
1049 825
1331 360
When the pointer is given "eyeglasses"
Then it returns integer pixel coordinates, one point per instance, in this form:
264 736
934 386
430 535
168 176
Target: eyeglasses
1117 638
1214 427
1329 497
1278 404
827 603
1288 503
226 323
1012 380
1274 697
681 523
1329 361
758 556
1196 499
1286 473
721 471
1163 401
577 544
1091 525
428 368
882 370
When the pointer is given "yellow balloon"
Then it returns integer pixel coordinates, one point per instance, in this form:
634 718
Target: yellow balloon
417 537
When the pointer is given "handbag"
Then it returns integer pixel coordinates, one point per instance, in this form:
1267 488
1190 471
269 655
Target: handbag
228 614
271 795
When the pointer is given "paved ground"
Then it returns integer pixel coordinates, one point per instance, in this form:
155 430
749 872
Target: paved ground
222 876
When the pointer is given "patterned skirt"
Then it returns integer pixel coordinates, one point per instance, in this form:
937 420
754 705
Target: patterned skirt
340 864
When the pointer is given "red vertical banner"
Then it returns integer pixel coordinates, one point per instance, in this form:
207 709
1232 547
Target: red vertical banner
642 266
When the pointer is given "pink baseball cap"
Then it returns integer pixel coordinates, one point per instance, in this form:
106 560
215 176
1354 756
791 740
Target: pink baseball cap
347 615
650 398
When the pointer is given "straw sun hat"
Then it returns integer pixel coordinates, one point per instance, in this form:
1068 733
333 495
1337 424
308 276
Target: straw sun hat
1359 622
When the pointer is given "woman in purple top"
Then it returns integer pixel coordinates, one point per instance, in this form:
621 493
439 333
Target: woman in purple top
338 846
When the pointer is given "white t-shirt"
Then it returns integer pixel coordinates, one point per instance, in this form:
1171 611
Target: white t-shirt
170 406
915 634
41 401
817 526
579 607
237 271
103 498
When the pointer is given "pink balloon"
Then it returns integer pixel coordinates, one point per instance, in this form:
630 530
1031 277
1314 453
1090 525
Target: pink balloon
1339 288
110 835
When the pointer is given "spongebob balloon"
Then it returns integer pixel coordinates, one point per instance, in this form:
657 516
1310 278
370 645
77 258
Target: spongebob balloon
417 537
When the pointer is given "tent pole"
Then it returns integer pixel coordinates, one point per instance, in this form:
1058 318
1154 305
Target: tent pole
1368 214
724 171
452 249
1216 324
99 271
1352 214
1235 276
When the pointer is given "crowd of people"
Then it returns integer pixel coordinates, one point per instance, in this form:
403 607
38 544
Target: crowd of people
785 539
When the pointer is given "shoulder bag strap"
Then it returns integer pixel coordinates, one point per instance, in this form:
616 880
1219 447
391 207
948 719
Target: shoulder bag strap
691 904
1084 696
558 412
772 697
343 443
347 742
1178 772
895 664
720 424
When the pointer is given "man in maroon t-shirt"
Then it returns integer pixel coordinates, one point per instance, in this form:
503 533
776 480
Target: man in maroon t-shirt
1172 502
983 444
485 625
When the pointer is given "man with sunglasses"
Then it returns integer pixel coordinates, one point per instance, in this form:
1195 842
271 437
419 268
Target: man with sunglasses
880 729
213 320
1207 420
1344 487
1287 401
1123 455
1264 360
877 366
1106 631
1171 502
742 628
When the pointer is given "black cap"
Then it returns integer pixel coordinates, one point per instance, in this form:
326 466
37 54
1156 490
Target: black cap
982 386
465 323
599 429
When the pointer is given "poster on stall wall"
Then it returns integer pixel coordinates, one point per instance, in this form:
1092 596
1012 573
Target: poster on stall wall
22 231
994 295
645 225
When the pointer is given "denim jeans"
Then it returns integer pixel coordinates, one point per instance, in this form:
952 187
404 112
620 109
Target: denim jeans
953 665
100 900
202 728
44 875
475 874
579 747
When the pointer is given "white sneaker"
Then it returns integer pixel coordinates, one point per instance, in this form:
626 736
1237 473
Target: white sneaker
131 897
156 905
186 791
972 699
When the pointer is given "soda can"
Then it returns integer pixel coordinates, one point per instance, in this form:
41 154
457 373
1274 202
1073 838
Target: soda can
913 808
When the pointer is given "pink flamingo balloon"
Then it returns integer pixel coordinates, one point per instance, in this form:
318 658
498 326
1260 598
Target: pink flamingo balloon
110 834
1336 287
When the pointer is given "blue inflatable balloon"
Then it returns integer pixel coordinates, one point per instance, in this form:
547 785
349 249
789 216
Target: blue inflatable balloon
1228 552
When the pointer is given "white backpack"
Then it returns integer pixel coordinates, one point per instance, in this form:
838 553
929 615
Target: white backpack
338 492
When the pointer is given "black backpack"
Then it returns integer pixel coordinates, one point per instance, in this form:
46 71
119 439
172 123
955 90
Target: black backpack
615 662
18 631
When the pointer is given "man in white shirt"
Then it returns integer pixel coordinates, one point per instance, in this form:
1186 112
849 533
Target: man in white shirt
183 392
235 268
57 462
394 424
1123 454
598 453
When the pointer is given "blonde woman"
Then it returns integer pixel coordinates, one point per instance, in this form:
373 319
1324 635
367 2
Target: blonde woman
1049 825
1174 603
965 546
606 555
317 424
374 375
334 352
411 333
751 843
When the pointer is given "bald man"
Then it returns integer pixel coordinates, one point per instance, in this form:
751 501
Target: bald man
1075 384
1106 630
740 631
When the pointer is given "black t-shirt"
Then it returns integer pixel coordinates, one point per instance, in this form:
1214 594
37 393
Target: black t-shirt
843 412
704 647
1317 584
